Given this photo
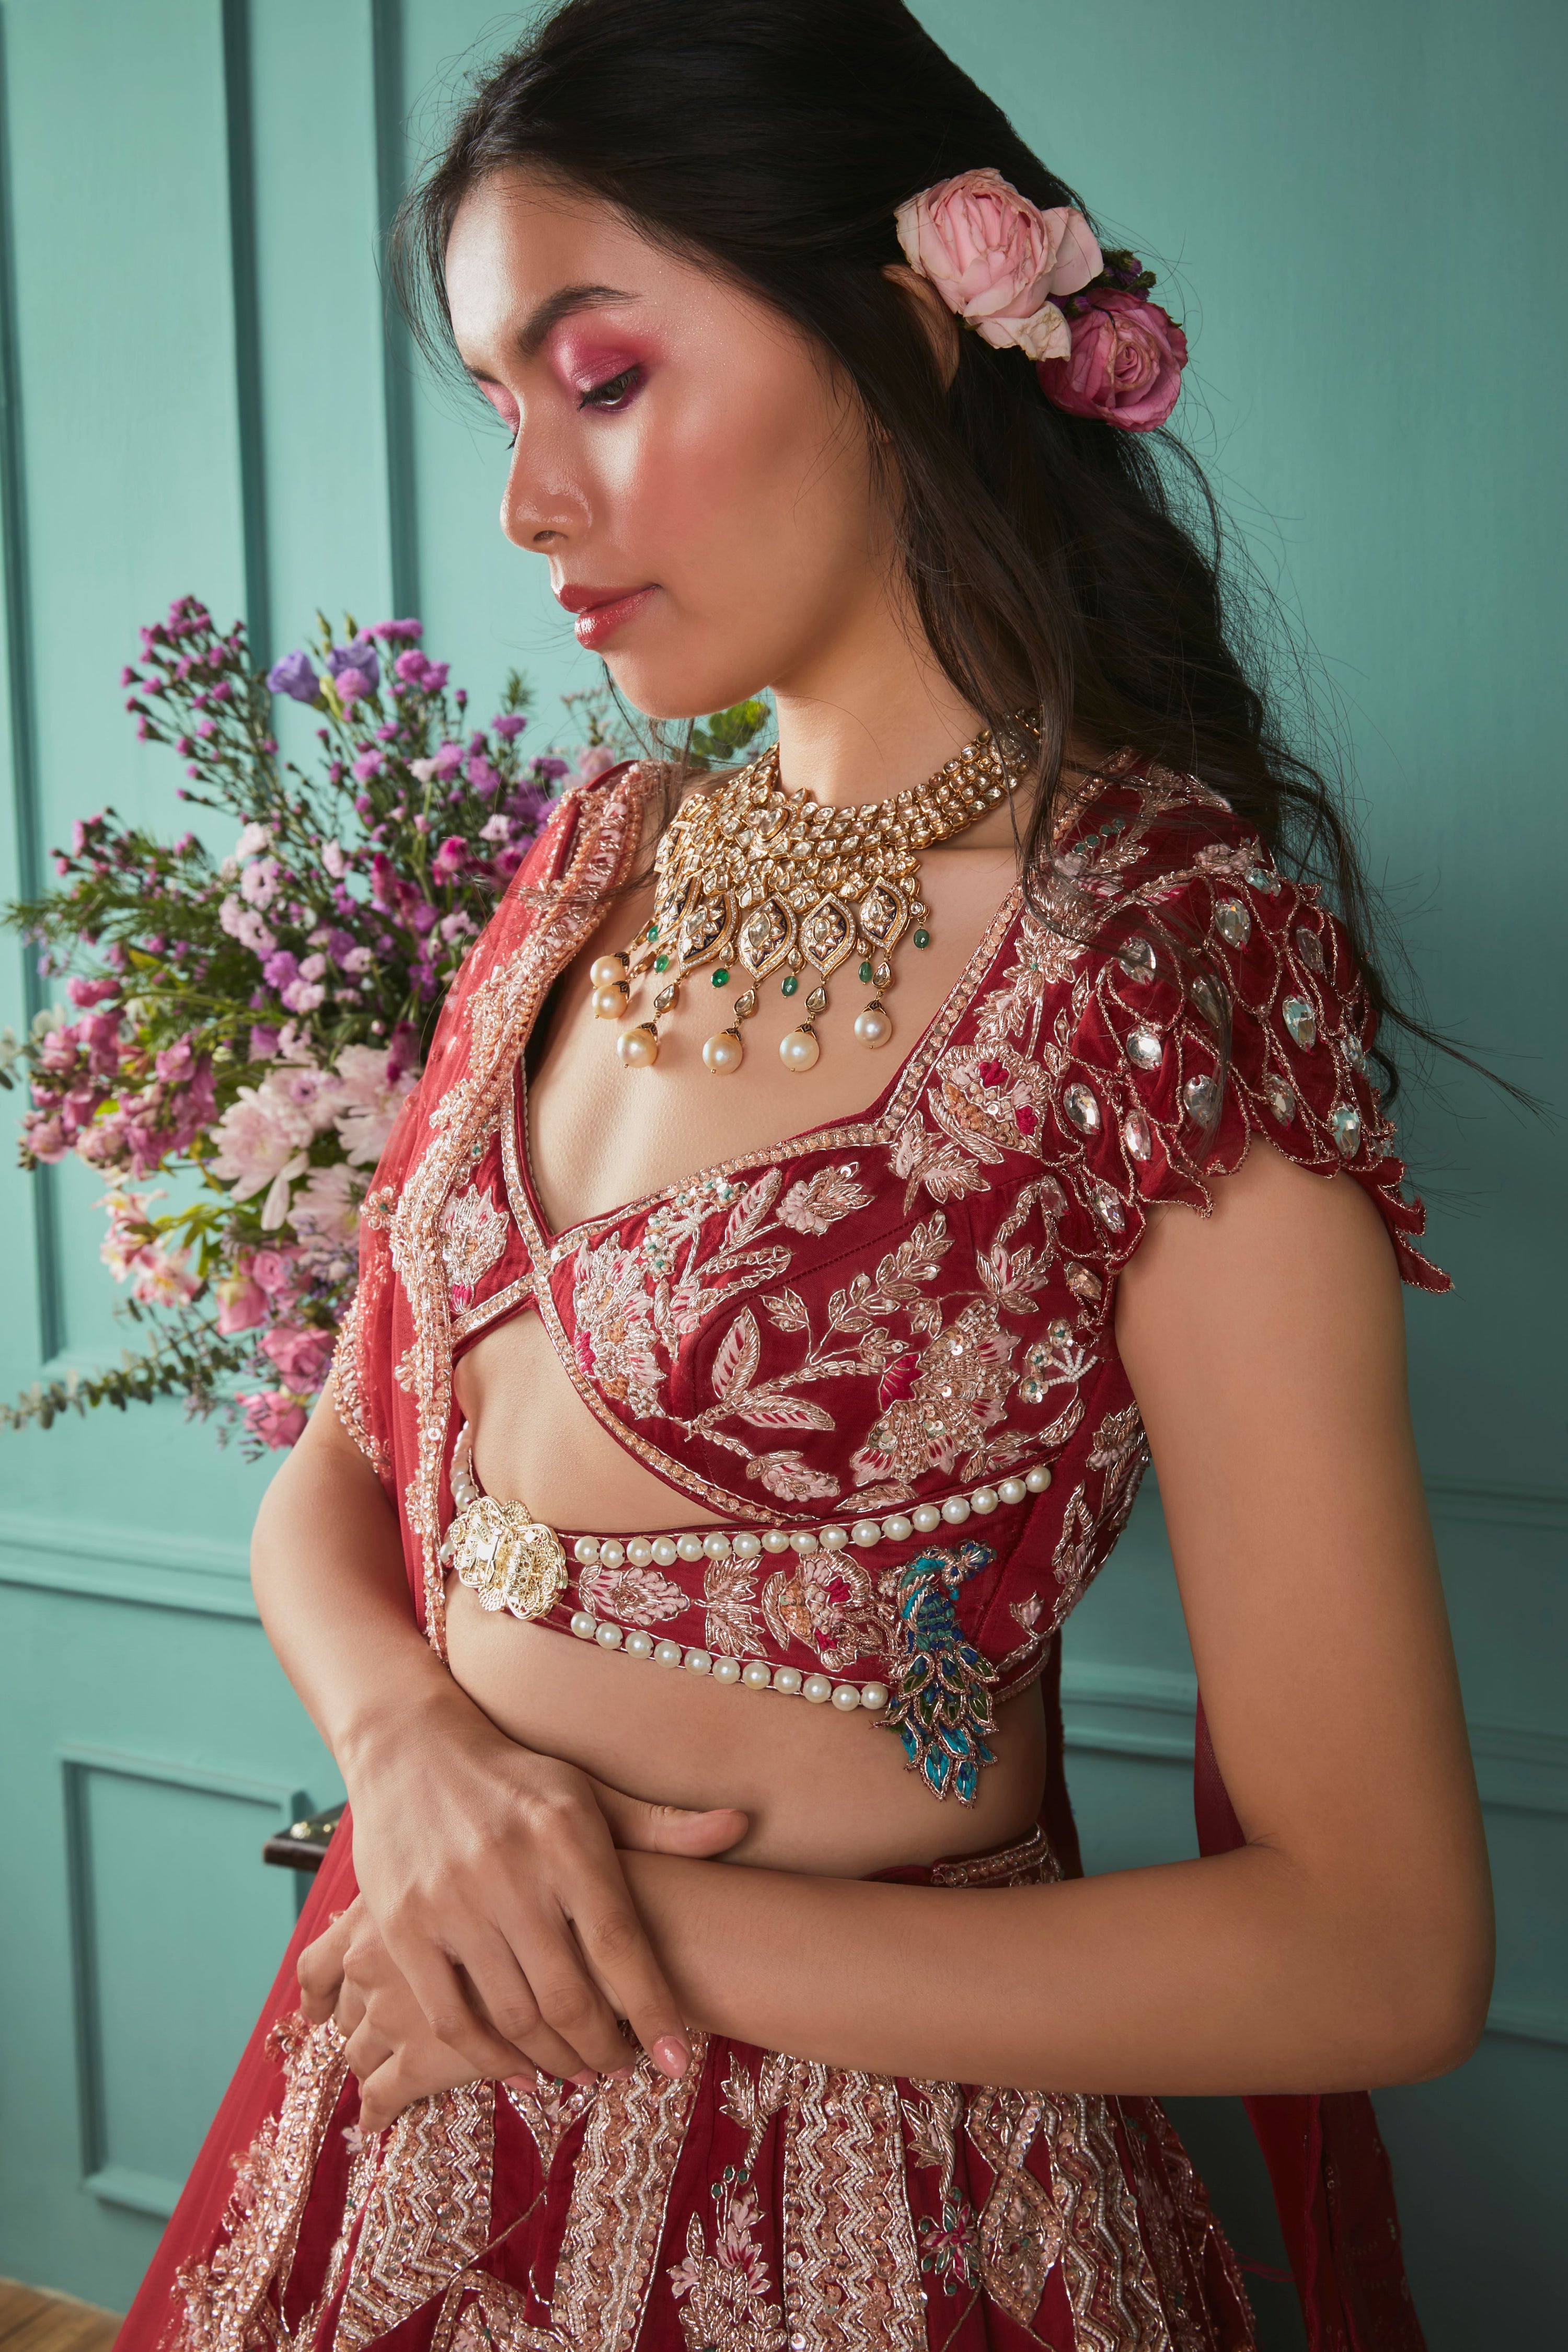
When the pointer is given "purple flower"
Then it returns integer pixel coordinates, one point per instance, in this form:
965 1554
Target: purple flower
509 724
368 764
280 969
263 1041
390 630
351 684
360 655
481 774
294 675
547 766
340 944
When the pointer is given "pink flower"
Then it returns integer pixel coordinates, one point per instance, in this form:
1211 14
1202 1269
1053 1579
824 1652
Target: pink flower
1125 364
326 1205
371 1086
274 1417
593 761
272 1270
300 1354
996 260
241 1304
450 858
162 1279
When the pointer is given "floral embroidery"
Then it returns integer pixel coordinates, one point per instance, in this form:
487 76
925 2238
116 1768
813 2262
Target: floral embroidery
725 2296
473 1234
633 1596
829 1603
819 1202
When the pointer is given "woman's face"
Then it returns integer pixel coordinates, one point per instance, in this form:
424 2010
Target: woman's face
684 460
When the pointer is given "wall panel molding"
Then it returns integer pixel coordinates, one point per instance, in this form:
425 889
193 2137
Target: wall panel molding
240 143
104 1563
390 101
110 2183
21 690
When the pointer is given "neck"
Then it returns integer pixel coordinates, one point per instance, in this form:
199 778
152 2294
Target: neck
870 715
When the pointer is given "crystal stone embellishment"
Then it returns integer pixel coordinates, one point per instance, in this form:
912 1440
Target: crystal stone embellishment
1300 1021
1145 1050
1135 1135
1209 998
1232 922
1079 1104
1281 1101
1137 960
1345 1120
1310 947
1201 1096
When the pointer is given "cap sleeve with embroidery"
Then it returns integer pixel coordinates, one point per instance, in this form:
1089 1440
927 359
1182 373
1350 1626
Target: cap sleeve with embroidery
1221 1002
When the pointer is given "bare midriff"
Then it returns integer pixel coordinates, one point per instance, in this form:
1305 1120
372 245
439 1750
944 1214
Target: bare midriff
824 1791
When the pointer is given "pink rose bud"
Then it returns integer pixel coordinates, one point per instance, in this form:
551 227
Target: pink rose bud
996 260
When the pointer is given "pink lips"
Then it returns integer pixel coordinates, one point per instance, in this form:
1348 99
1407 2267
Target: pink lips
600 610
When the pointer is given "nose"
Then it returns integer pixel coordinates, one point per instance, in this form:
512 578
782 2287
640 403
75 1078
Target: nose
541 511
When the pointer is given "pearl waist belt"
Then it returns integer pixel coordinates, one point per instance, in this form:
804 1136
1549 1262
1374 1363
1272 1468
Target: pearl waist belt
515 1562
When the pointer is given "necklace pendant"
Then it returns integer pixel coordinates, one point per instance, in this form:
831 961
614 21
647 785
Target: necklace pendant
639 1048
799 1048
873 1025
723 1052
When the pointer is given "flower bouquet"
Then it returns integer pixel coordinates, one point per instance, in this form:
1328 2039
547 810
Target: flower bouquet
246 1024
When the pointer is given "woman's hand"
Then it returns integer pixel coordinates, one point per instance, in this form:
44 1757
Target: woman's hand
349 1975
492 1875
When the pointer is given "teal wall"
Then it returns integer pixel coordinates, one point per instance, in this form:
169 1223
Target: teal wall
198 394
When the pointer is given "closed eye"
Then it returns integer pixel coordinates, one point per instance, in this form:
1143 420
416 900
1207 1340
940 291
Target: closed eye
615 392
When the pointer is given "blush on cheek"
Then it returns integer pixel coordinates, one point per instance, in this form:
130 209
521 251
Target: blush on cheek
505 407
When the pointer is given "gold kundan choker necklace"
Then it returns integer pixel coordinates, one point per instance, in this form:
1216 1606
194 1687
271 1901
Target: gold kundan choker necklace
756 875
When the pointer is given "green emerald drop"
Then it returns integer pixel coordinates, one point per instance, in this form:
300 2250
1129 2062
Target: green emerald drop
866 972
721 977
788 984
653 930
922 939
661 964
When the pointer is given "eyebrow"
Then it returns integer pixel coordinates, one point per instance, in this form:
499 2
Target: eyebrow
560 305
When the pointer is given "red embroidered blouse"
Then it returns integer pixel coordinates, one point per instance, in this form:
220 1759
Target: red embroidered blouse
904 1309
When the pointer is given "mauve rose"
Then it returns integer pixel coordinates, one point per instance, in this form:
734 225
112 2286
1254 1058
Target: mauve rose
301 1355
241 1304
996 260
274 1417
1125 365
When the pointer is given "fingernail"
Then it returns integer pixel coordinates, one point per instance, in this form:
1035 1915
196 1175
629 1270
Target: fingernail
670 2055
586 2079
620 2074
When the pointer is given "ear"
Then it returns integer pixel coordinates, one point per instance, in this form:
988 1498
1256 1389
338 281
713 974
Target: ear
941 329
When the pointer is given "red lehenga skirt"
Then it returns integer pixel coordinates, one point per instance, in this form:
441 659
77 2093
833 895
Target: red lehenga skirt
761 2204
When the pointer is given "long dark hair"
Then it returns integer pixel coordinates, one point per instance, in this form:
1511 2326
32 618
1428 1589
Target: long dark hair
1055 563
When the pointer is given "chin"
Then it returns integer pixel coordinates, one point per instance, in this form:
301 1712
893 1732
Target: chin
671 691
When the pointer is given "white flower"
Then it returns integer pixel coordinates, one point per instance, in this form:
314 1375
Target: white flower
327 1204
263 1143
253 841
370 1101
313 968
358 960
258 883
162 1279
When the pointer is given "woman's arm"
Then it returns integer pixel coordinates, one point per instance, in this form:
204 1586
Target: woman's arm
1349 1942
490 1871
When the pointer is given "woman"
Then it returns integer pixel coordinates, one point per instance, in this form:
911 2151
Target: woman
664 2007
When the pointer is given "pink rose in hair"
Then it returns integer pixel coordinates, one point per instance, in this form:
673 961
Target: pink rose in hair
1125 364
996 260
